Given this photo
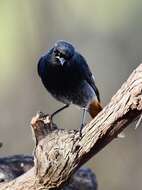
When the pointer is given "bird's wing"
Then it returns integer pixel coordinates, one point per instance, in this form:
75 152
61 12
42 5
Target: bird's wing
86 73
42 62
40 66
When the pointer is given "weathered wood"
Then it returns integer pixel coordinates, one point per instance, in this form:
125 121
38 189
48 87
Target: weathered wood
59 153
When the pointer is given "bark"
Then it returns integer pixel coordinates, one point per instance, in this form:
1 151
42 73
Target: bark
59 153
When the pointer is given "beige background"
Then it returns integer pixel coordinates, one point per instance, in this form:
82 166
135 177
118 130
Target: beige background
109 34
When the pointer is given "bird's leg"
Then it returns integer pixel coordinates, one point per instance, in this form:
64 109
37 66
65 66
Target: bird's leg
83 120
56 112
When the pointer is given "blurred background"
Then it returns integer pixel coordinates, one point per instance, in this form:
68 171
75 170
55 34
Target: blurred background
109 34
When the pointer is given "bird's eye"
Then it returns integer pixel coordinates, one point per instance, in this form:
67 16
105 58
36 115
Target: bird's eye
62 55
57 53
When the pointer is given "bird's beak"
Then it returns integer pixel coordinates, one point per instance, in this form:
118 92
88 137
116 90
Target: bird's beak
61 60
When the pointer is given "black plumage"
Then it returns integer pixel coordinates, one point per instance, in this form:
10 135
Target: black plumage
66 75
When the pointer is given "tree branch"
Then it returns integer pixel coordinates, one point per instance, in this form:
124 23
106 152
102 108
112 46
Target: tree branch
59 153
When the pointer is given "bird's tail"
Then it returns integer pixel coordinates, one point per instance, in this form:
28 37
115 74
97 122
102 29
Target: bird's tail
94 108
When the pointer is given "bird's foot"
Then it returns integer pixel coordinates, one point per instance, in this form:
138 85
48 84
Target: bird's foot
51 117
80 130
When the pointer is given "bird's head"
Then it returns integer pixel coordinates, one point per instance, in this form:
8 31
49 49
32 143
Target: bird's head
63 52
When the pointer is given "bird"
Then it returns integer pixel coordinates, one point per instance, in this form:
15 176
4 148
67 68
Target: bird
66 75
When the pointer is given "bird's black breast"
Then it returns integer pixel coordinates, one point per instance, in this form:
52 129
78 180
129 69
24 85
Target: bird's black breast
70 83
59 80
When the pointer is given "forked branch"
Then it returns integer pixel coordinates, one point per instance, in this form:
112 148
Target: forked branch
59 153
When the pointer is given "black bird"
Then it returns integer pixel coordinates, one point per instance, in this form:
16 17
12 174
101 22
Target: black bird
67 77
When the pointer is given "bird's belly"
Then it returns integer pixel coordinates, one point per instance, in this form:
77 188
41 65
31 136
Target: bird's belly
80 94
62 85
68 87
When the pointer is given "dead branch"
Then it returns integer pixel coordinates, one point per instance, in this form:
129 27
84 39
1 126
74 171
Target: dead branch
59 153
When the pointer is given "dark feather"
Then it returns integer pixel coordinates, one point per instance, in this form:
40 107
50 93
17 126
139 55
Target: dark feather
86 73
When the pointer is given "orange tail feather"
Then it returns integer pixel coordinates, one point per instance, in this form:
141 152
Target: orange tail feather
94 108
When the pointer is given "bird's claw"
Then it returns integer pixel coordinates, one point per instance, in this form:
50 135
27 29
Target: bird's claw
80 130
